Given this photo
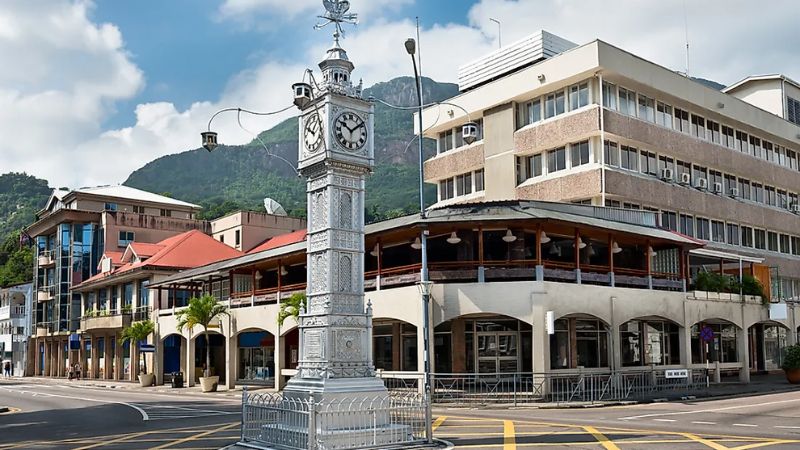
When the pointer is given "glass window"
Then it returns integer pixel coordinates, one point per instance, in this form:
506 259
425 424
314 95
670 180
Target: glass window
722 348
698 127
795 245
727 137
629 157
729 184
687 225
681 120
579 153
554 104
770 196
718 231
741 141
110 207
479 180
747 237
446 141
664 115
125 238
755 147
665 162
793 110
712 132
578 96
669 220
611 151
647 163
760 239
464 184
772 241
733 234
784 244
744 189
684 168
627 102
446 189
609 95
556 160
703 229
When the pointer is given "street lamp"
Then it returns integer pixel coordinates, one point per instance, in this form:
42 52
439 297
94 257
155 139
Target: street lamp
499 30
424 282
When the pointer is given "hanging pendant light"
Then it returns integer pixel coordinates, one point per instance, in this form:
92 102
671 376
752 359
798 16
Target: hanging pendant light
509 237
650 251
417 244
544 238
453 239
615 248
581 244
555 250
258 275
374 251
590 250
284 272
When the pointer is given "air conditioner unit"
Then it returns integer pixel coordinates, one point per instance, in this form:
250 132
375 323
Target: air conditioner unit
666 174
718 188
795 208
734 192
686 178
701 183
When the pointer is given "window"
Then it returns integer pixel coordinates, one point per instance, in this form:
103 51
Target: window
166 213
770 196
681 120
772 241
747 237
793 110
238 238
647 108
627 102
664 115
744 188
125 238
729 184
757 193
479 180
554 104
446 189
795 245
464 184
698 127
612 203
703 229
611 153
712 132
684 167
627 205
727 137
783 198
578 96
780 152
110 207
760 239
755 147
556 160
445 141
741 141
138 209
609 95
649 342
669 220
792 199
144 298
528 113
718 231
768 151
733 234
527 167
579 342
222 238
724 344
791 159
579 153
714 177
665 162
687 225
647 163
699 172
784 244
629 158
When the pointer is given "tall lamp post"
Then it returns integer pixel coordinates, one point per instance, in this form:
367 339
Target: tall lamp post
424 282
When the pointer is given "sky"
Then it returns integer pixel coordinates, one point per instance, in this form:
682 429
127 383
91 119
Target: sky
91 90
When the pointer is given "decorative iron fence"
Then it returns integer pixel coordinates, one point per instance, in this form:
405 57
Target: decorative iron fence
287 423
521 388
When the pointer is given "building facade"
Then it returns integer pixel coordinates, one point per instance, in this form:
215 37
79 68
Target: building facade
15 325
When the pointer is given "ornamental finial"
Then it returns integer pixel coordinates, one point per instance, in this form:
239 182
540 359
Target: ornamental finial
336 13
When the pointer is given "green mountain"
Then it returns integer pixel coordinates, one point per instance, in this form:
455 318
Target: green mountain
234 177
21 195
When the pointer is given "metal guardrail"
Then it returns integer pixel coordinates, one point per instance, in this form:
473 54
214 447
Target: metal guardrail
285 423
527 387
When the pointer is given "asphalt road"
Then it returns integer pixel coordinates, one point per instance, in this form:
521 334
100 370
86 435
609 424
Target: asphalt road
58 416
736 423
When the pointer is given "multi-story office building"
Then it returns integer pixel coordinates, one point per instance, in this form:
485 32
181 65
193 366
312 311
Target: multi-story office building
71 234
15 325
244 230
595 124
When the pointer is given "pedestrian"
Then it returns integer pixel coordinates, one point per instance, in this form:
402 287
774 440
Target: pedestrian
78 370
7 369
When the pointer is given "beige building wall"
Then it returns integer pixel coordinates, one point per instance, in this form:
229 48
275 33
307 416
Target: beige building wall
765 94
254 228
149 229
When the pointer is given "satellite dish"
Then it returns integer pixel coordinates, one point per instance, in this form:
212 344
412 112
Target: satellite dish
274 208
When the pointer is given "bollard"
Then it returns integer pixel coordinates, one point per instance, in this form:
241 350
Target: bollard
717 374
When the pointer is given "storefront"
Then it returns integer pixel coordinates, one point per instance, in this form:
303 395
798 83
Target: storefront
488 345
256 358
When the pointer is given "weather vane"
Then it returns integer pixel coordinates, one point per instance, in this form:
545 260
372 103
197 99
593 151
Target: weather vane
337 14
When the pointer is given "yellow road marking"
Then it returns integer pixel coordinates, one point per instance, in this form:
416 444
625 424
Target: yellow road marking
197 436
704 441
762 444
113 441
436 423
602 438
509 436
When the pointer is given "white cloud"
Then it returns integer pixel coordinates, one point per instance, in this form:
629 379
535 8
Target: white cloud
249 12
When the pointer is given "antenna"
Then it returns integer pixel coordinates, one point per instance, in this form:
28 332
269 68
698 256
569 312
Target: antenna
686 33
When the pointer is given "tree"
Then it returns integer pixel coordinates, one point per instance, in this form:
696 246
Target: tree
201 312
138 331
290 307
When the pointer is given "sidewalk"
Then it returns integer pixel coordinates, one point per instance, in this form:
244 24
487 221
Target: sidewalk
222 391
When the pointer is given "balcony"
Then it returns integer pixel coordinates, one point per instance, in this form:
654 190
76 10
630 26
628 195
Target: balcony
45 293
45 328
105 322
45 258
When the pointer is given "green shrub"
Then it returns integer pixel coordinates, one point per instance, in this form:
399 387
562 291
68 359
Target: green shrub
792 358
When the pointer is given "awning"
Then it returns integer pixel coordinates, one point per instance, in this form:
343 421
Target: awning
725 255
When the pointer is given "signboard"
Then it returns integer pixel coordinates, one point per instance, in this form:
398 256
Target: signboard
707 334
778 311
74 341
676 373
550 322
147 348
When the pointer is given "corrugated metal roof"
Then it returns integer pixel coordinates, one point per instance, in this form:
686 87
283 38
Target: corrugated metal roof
129 193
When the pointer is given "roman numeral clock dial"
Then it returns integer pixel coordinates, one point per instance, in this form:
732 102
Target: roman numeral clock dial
350 131
312 133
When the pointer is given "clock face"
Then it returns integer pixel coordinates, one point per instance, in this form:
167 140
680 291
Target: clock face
350 131
312 133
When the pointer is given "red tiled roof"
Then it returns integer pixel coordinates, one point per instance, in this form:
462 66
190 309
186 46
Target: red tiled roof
145 250
280 241
184 251
116 257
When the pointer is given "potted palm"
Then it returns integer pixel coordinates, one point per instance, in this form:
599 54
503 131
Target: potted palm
291 306
791 364
201 312
140 331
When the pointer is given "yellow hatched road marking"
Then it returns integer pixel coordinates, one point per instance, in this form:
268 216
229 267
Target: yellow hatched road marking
113 441
704 441
438 422
602 438
509 436
197 436
762 444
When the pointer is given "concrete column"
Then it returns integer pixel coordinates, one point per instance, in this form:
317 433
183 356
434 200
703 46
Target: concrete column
540 346
109 356
189 363
743 350
685 346
119 372
230 361
35 354
158 357
46 359
280 348
396 344
60 358
458 348
95 358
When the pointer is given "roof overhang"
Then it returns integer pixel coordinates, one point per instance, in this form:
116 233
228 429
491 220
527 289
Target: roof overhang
725 255
50 221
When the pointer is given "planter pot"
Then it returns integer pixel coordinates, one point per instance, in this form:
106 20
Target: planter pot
793 375
209 384
146 379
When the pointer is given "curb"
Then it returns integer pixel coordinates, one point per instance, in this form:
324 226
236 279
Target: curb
4 409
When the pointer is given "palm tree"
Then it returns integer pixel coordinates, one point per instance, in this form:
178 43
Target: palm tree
290 307
138 331
201 312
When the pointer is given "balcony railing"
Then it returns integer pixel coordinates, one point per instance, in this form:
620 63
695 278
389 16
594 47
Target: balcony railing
45 328
141 313
45 258
45 293
105 322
